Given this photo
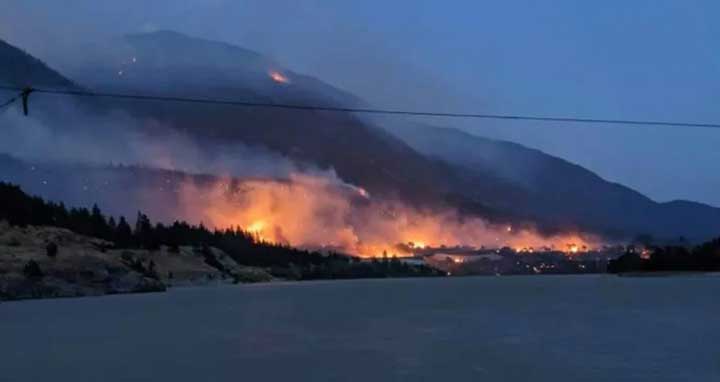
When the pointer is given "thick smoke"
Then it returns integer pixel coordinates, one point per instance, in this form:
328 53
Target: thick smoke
315 211
420 56
251 188
78 138
261 191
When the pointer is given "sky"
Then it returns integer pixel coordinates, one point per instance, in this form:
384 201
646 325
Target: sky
645 59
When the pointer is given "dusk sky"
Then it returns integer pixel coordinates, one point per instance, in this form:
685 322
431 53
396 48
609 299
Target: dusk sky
645 59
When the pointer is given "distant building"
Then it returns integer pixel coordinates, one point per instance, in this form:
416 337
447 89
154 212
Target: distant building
464 257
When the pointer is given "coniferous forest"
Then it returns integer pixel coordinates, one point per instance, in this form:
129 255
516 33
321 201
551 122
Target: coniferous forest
20 209
701 258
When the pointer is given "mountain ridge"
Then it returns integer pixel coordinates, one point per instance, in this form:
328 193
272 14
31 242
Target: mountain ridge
18 65
565 187
499 180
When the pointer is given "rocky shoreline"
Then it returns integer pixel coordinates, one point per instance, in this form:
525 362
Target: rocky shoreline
50 262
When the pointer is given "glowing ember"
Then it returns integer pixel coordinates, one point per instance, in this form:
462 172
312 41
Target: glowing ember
278 77
645 254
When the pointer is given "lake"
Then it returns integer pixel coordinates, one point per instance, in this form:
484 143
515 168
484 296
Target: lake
547 328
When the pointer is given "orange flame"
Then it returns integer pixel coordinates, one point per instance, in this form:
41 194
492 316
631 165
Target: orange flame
315 211
278 77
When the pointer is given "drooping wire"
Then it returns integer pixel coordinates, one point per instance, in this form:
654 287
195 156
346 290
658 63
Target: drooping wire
8 102
238 103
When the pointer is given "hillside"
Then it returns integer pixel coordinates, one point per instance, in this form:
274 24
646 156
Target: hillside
424 166
167 61
49 250
174 64
86 266
20 69
559 192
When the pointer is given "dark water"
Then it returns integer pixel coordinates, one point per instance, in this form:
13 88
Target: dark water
596 328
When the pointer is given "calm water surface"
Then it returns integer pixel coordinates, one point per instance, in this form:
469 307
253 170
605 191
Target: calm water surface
566 328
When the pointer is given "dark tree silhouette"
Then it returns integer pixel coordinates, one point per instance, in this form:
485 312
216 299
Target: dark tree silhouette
32 270
51 249
283 261
123 236
702 258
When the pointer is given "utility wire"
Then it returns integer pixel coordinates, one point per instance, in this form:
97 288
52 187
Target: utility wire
10 101
227 102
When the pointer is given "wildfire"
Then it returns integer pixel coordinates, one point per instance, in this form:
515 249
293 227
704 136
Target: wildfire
417 244
570 244
278 77
256 229
318 211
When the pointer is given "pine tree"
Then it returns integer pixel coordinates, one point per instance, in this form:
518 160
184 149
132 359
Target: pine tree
123 234
51 249
144 233
112 225
100 227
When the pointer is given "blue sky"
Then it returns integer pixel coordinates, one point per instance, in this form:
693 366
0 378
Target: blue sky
638 59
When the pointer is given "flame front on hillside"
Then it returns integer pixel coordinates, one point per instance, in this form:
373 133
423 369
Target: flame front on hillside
278 77
313 211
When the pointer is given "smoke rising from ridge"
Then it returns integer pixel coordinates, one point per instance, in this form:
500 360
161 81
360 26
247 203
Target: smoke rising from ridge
254 189
121 139
444 58
312 211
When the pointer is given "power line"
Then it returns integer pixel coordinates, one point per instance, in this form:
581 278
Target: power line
227 102
24 96
10 101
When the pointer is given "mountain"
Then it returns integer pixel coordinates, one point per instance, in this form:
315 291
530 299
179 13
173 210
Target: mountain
173 64
167 61
425 166
558 192
20 69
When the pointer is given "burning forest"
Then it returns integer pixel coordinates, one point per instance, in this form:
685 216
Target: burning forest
323 213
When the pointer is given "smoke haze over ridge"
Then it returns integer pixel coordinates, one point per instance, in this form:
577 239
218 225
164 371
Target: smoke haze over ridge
414 73
463 58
